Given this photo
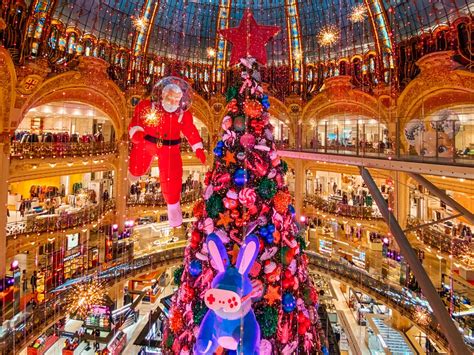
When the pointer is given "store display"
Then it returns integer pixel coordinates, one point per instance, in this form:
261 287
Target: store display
117 344
41 345
99 317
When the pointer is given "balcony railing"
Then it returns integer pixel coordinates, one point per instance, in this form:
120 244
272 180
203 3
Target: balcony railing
156 198
14 338
40 150
362 212
57 222
393 296
440 140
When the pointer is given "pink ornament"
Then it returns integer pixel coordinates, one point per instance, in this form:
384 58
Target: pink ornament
208 192
272 173
229 138
226 123
247 196
265 347
247 140
221 181
263 148
208 225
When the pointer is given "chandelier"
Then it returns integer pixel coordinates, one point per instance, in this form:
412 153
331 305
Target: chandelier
328 36
358 13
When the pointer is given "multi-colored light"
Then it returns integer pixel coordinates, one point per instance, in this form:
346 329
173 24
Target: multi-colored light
358 13
84 296
328 36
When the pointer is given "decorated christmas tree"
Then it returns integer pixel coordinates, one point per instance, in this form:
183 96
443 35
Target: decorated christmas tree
245 287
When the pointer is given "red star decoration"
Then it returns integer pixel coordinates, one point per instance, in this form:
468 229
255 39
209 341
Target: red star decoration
249 39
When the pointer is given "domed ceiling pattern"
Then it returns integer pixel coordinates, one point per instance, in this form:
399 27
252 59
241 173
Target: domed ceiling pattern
186 29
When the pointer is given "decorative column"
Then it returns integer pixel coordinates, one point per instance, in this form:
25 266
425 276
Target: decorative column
294 43
221 44
121 187
141 37
381 29
401 201
4 174
300 177
37 27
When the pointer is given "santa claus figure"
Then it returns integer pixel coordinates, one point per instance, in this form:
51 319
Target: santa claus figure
155 130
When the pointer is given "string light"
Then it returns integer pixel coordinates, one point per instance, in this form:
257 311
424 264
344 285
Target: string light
84 296
358 13
328 36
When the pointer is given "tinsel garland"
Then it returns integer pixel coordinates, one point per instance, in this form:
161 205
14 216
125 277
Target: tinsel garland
267 317
214 206
177 273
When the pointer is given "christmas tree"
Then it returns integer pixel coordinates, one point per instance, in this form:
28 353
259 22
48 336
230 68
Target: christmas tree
245 287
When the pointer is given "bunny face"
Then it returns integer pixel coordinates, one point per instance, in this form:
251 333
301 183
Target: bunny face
231 286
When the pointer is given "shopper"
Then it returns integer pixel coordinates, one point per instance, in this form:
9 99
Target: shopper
33 281
24 281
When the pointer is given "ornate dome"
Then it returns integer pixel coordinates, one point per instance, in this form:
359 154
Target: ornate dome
185 29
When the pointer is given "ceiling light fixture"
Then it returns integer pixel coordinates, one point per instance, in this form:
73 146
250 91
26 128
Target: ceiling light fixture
358 13
140 23
328 36
211 52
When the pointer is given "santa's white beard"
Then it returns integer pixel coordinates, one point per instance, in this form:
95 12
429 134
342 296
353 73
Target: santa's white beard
169 108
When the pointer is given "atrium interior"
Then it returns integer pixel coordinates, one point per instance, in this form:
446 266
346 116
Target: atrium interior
236 177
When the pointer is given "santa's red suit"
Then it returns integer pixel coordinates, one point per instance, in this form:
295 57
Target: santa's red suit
161 138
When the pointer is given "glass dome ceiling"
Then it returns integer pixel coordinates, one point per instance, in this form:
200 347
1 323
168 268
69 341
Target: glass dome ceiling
185 29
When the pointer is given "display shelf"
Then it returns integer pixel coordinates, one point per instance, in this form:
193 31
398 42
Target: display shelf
42 344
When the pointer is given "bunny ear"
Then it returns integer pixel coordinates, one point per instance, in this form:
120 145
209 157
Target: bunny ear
248 253
217 251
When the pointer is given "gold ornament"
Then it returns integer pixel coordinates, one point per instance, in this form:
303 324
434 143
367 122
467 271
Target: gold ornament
358 13
328 36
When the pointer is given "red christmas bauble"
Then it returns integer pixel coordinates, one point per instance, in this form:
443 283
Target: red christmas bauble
195 239
303 323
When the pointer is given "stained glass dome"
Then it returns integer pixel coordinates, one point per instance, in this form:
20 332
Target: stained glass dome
185 29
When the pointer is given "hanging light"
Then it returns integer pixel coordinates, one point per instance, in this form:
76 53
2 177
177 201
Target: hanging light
421 316
140 23
328 36
84 296
358 13
152 117
211 52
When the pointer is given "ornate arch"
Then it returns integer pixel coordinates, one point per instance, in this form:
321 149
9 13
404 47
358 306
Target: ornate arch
278 109
89 85
440 84
8 81
339 97
201 110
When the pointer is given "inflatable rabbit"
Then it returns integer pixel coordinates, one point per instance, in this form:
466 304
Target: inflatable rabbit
230 321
